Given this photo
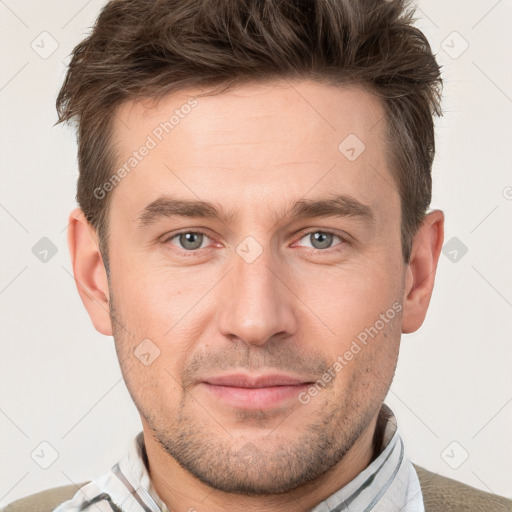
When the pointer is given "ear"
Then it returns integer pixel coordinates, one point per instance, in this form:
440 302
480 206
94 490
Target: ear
421 270
89 270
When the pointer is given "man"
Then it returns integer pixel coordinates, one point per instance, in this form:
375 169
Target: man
253 232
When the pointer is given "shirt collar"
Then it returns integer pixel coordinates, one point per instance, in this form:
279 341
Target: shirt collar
389 482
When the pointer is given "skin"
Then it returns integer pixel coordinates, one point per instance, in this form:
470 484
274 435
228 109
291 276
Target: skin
254 151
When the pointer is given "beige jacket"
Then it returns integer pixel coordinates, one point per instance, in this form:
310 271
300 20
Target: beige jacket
440 494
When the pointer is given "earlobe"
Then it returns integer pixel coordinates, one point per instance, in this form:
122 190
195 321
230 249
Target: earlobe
420 273
89 270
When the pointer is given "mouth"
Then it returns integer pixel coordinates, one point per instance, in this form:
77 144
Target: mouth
255 392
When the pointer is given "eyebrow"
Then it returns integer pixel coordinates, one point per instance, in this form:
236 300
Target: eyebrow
343 205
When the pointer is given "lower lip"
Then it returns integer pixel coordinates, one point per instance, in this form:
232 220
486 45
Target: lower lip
255 398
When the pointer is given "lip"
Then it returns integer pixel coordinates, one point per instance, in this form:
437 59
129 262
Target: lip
241 380
255 392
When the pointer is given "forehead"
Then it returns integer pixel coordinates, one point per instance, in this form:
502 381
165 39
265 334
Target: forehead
254 145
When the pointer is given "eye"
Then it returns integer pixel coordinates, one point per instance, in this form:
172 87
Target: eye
188 240
321 240
192 241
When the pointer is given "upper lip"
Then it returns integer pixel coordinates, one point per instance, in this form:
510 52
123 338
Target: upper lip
255 381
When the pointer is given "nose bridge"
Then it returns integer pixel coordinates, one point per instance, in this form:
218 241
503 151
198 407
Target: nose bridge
257 305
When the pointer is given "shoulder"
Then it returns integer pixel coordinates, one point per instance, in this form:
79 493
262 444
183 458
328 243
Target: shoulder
44 501
441 493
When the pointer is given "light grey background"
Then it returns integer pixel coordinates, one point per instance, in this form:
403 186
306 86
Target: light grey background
59 379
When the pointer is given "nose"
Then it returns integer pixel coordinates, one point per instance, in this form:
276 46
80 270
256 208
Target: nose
257 303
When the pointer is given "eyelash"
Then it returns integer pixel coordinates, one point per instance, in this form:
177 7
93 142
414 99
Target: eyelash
195 252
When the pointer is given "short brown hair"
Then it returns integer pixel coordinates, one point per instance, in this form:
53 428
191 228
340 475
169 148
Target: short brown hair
146 49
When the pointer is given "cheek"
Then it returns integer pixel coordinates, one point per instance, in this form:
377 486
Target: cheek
360 344
154 300
156 312
367 364
348 299
151 365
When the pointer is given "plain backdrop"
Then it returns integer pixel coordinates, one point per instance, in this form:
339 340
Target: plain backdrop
63 403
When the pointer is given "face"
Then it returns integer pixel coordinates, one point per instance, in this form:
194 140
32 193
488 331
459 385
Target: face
299 273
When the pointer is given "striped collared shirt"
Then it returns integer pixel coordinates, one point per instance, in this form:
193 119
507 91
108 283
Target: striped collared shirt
388 484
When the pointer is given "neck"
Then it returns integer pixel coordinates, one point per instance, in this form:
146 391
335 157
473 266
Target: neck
183 492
